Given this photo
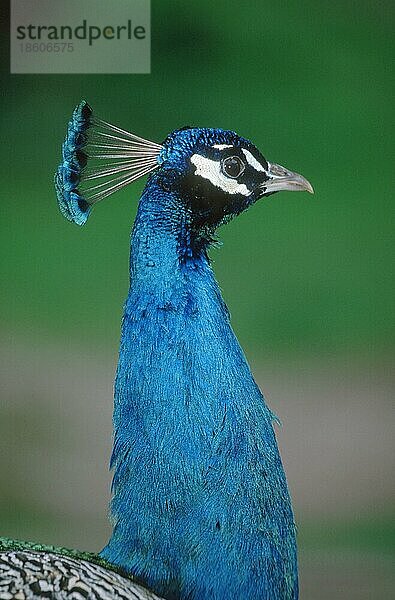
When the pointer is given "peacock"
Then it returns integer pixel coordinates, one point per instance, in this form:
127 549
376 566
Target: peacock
200 507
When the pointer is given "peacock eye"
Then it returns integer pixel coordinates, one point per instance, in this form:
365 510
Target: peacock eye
233 166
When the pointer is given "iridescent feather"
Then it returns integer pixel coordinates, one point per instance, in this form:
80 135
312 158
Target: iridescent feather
98 159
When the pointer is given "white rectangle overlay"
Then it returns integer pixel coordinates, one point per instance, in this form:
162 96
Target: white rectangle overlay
80 36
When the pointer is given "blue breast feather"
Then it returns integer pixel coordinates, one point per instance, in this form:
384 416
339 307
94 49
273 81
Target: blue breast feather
200 507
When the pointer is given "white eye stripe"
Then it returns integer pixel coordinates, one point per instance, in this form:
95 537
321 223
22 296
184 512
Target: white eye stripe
222 146
211 170
252 161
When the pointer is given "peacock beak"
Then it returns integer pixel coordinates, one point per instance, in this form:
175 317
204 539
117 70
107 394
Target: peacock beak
280 179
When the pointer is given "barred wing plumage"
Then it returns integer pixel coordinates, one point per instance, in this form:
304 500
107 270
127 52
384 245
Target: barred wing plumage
30 575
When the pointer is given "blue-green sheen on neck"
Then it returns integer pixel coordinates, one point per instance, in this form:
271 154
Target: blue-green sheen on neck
200 506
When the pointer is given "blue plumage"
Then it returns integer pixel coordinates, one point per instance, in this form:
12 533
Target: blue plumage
68 175
200 503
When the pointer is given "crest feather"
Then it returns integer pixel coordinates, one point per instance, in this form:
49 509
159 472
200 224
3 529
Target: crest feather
98 159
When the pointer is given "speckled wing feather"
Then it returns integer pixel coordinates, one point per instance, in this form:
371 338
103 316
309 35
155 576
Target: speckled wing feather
27 574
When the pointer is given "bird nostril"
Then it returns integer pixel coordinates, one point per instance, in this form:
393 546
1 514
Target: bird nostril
277 170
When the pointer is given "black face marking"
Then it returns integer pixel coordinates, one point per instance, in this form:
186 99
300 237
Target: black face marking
221 182
208 204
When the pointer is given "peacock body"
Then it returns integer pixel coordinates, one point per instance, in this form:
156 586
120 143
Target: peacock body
200 505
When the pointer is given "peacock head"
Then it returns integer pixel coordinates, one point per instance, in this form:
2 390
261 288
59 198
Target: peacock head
214 174
218 174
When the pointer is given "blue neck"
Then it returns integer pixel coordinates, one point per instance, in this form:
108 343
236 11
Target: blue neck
200 503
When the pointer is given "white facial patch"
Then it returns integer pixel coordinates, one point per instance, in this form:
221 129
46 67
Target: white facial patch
252 161
211 170
222 146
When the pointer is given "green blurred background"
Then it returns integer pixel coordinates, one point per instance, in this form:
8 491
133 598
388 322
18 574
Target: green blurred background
308 279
